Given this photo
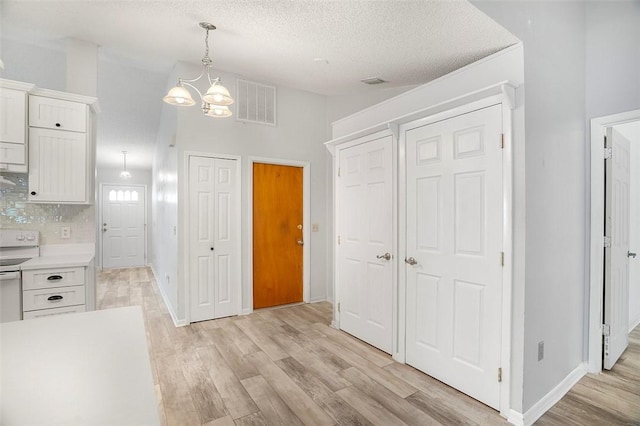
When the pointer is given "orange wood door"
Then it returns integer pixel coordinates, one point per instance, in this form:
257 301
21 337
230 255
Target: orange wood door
277 235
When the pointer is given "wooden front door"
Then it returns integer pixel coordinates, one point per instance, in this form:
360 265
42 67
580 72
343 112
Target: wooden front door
277 235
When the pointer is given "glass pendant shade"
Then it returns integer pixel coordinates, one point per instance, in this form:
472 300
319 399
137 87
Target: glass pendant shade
218 95
179 96
218 111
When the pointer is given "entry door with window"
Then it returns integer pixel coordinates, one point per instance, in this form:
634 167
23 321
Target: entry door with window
616 257
365 229
214 240
454 251
277 234
123 226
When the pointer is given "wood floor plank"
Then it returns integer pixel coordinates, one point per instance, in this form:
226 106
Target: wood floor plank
177 403
314 364
274 409
366 351
299 402
232 354
389 400
223 421
235 397
368 407
391 382
205 396
341 412
265 343
255 419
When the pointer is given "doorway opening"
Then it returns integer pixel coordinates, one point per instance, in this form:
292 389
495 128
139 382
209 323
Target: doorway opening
279 240
625 126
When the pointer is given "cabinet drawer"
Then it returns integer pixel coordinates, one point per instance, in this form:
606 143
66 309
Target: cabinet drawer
12 153
53 311
52 298
52 278
57 114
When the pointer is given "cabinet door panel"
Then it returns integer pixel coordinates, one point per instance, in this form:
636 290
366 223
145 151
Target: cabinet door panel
57 166
57 114
13 115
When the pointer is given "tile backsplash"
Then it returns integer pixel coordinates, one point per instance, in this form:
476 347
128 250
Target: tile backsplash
17 213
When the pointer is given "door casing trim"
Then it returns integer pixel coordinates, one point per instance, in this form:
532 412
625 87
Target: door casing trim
306 225
593 310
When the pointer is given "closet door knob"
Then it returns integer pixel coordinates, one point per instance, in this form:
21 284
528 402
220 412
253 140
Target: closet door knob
57 124
33 192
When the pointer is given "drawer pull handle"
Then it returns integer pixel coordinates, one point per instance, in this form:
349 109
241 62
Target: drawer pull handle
54 278
54 298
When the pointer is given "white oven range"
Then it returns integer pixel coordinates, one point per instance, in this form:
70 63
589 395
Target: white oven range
16 247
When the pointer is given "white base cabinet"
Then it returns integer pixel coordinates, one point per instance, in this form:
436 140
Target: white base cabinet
53 291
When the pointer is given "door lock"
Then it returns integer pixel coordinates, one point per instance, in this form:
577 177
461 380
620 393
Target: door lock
411 261
386 256
629 254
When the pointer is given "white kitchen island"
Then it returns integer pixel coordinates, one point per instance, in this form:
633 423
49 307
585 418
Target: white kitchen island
88 368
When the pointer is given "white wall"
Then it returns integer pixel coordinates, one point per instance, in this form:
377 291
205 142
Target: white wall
299 135
44 66
163 234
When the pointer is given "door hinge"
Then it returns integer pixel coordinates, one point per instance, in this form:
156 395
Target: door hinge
606 330
500 375
338 171
502 258
338 239
338 306
608 152
606 242
501 140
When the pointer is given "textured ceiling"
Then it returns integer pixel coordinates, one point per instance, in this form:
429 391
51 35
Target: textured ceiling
403 42
321 46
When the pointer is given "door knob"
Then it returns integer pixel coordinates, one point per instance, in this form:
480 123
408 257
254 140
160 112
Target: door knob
300 242
411 261
629 254
386 256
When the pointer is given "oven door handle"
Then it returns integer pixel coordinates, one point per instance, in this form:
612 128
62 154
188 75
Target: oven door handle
6 276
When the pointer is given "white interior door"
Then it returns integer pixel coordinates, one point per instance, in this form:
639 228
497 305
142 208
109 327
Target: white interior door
365 261
616 272
454 250
214 250
123 226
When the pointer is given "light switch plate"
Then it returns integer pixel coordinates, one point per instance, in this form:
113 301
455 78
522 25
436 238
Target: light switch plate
65 232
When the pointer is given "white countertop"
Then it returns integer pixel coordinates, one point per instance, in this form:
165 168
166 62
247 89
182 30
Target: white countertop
60 261
88 368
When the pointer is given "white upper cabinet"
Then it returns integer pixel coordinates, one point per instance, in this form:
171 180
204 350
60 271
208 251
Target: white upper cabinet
13 126
12 115
50 113
61 147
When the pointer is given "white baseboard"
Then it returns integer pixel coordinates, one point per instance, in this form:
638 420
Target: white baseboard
318 299
246 311
515 418
174 317
634 323
550 399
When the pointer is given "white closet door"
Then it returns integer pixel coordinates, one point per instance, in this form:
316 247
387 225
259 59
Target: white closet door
616 278
454 234
214 243
365 201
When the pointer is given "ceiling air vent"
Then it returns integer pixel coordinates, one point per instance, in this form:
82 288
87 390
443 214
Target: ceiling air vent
374 80
256 103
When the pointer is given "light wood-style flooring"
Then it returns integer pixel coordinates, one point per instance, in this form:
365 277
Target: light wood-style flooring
288 367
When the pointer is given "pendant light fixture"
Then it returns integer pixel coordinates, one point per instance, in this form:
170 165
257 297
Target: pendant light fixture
216 101
124 174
